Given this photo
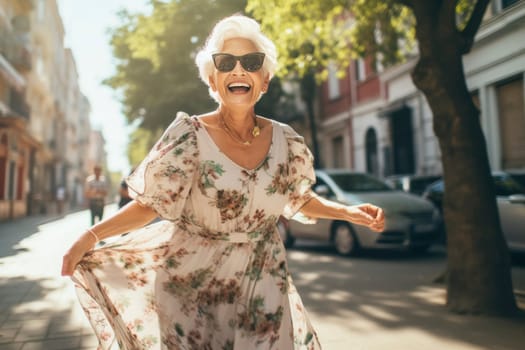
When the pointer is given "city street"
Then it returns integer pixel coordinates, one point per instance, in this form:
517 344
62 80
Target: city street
376 301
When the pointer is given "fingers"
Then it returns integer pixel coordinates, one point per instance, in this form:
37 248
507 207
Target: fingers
375 216
69 263
379 221
76 253
378 227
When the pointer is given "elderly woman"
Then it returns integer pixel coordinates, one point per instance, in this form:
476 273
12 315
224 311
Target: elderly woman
213 273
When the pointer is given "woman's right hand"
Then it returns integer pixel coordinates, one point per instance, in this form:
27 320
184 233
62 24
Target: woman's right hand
77 251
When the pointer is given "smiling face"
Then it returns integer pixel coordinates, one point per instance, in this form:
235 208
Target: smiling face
239 87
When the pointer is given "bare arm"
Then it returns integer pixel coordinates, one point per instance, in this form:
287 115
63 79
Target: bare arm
362 214
130 217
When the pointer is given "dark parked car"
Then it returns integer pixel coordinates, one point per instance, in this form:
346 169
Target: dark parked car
415 184
518 175
510 196
411 221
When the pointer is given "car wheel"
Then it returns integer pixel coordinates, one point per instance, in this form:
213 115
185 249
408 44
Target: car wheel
345 241
286 237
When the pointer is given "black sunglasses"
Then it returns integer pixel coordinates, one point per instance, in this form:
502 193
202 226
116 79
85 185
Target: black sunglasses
251 62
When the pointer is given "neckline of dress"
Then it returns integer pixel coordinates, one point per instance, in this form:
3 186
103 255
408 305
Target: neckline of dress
261 163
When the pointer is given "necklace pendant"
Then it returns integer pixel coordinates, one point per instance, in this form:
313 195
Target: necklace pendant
256 131
247 143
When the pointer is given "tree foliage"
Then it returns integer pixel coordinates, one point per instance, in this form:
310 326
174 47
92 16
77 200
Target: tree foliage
156 74
141 141
311 35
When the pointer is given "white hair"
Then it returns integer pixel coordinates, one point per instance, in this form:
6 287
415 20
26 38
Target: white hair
236 26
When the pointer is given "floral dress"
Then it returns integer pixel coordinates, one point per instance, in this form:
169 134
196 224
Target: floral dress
213 273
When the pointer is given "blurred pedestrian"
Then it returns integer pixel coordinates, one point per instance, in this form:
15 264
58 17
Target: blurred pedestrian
96 190
212 274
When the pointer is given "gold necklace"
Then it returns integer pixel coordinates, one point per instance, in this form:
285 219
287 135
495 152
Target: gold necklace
256 131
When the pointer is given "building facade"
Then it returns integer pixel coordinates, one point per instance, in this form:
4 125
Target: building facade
44 117
17 144
495 71
376 120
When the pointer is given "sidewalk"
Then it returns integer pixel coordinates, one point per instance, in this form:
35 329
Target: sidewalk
39 310
38 307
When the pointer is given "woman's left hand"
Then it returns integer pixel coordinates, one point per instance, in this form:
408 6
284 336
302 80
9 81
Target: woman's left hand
368 215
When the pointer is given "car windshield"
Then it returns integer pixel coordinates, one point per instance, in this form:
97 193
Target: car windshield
420 184
359 183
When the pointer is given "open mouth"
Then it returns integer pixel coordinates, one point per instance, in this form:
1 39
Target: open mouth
239 87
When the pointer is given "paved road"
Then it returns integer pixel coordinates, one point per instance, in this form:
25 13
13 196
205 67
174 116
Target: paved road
375 301
388 301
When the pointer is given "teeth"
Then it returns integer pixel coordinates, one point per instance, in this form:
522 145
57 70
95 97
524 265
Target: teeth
233 85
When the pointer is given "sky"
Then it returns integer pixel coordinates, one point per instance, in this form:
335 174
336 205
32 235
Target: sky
86 24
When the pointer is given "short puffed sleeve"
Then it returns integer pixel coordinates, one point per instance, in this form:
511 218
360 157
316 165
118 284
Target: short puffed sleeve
163 179
301 174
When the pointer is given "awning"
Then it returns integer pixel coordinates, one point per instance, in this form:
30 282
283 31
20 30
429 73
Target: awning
11 74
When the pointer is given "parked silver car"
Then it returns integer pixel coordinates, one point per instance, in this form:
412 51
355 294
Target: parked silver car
510 198
411 221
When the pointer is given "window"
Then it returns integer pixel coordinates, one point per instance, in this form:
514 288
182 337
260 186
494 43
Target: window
360 72
20 183
359 183
500 5
372 166
507 3
333 82
40 10
321 187
11 180
3 166
338 152
379 63
511 113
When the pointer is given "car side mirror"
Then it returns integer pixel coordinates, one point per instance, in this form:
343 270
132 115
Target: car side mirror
322 190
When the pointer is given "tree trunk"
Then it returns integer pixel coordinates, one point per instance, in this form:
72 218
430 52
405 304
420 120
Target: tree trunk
478 275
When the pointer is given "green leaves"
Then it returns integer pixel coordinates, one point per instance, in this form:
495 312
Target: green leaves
155 74
311 35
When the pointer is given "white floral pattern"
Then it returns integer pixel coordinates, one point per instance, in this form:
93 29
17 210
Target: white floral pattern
213 274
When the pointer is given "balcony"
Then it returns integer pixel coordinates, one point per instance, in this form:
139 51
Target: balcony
15 44
18 105
11 74
19 52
